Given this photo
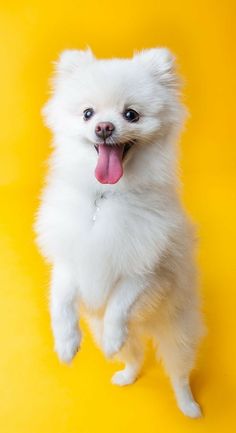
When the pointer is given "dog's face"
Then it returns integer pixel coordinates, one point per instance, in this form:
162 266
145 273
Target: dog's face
113 106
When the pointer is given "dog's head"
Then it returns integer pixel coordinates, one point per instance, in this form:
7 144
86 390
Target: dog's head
114 106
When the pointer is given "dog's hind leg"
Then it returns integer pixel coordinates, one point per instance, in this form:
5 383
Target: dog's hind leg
177 340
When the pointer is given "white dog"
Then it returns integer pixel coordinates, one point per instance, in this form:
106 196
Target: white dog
111 222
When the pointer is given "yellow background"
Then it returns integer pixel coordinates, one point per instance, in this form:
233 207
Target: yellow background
38 395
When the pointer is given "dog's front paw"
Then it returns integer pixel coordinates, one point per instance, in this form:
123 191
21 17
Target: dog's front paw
67 348
113 339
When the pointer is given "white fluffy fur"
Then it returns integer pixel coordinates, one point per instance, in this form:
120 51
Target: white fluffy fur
131 267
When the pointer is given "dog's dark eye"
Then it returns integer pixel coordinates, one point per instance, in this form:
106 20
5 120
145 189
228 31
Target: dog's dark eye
88 113
131 115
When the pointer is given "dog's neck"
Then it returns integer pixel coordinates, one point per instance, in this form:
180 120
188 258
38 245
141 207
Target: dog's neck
100 197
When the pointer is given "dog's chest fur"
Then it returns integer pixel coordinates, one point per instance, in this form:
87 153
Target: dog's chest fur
111 236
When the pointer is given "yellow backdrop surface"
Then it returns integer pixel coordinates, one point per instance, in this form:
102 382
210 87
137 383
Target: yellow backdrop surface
38 394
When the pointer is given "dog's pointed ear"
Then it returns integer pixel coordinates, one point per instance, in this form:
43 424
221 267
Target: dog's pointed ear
160 62
70 60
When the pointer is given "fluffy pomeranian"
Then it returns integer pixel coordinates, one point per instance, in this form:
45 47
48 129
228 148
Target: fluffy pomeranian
111 222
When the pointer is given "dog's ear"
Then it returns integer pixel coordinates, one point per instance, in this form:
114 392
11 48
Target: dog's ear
160 62
70 60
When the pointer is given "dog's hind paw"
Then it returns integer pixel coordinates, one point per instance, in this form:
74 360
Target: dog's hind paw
191 409
123 377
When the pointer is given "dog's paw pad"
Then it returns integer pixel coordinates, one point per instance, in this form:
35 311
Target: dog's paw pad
122 378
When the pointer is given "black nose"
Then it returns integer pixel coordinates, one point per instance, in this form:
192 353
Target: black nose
104 129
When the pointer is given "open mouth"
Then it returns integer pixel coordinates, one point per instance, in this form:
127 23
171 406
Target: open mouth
109 167
127 147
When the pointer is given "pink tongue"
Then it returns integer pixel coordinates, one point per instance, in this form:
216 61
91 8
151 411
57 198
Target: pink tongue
109 166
